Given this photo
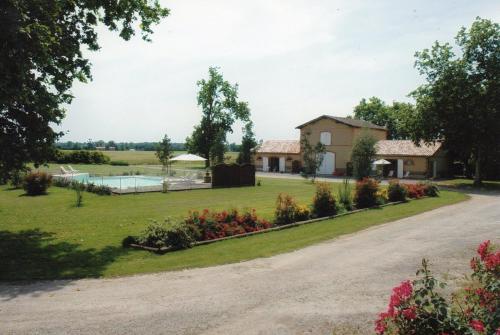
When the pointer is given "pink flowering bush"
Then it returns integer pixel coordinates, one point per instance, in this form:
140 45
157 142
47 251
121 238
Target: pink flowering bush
419 308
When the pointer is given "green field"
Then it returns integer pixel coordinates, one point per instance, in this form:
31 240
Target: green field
149 158
47 237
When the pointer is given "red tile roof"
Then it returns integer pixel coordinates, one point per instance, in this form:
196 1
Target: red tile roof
406 148
280 146
357 123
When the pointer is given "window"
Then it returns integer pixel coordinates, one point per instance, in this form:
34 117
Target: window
325 138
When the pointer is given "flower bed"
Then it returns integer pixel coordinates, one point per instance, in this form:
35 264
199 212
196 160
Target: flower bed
209 226
419 307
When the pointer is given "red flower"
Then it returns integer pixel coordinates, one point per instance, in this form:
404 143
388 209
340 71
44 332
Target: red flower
477 325
380 324
492 260
483 249
409 313
473 264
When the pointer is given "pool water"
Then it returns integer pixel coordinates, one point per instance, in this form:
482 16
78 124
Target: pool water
120 182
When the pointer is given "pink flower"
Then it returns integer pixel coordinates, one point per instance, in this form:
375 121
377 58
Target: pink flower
409 313
477 325
492 260
380 324
483 249
497 332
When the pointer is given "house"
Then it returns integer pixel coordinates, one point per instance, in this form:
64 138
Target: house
338 134
424 160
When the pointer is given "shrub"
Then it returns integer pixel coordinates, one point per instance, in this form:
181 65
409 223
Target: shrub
345 194
302 213
420 308
155 235
16 178
366 193
396 191
324 202
382 196
80 157
179 236
415 191
285 209
209 225
37 183
118 163
430 189
78 187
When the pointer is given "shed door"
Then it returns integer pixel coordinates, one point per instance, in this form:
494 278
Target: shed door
328 164
282 164
265 164
400 168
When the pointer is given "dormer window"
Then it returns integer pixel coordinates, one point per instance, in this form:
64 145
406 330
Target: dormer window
325 138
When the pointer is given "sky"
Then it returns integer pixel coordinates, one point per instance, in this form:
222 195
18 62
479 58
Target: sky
294 60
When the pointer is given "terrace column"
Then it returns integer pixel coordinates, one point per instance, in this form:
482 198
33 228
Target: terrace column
265 164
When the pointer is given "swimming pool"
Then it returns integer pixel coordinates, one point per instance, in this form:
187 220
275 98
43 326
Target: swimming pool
119 182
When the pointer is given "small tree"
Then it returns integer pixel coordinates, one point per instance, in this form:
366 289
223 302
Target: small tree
164 152
313 156
363 153
248 143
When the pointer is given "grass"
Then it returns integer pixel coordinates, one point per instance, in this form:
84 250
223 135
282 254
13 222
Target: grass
463 183
47 237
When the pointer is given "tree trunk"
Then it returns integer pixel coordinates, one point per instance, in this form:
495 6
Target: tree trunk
477 174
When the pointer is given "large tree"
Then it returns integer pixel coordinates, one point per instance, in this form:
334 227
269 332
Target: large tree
220 108
394 117
41 56
363 154
460 102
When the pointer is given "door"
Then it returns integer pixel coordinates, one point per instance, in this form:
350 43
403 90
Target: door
265 164
328 164
400 168
282 164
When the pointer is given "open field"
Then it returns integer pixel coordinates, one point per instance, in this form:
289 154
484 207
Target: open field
148 157
47 237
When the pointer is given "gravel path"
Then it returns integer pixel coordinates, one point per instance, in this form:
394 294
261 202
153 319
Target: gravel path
309 291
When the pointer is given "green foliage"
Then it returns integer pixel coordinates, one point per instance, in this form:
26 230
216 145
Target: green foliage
164 151
396 191
363 153
324 201
118 163
286 207
37 183
248 144
41 56
430 189
393 117
220 107
345 194
312 155
79 157
155 235
92 188
366 193
460 101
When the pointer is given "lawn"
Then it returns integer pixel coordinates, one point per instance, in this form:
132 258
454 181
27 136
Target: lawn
462 183
47 237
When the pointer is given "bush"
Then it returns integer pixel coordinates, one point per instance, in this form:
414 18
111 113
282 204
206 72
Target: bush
415 191
80 157
366 193
430 189
155 235
209 225
286 209
420 308
179 236
382 196
345 194
119 163
37 183
396 191
324 202
302 213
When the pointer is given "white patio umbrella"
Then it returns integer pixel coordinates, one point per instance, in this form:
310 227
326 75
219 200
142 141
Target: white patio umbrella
188 158
381 162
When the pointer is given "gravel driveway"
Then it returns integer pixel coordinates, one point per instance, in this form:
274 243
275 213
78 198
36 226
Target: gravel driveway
310 291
